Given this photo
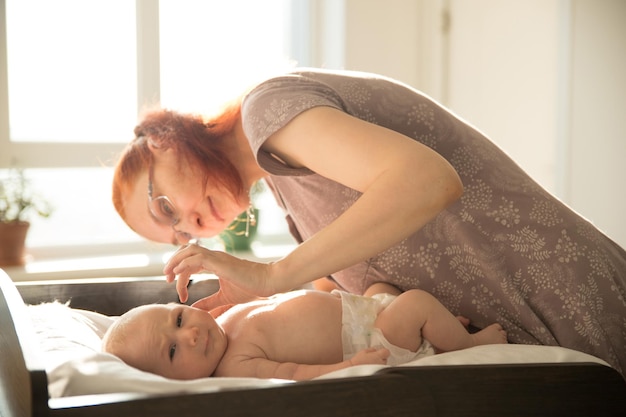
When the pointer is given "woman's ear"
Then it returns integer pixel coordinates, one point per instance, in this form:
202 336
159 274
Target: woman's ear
163 155
153 145
157 149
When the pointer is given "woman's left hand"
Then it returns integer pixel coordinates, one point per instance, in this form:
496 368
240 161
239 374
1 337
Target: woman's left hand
240 280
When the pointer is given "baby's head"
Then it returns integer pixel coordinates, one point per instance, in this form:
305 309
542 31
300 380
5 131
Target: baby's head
172 340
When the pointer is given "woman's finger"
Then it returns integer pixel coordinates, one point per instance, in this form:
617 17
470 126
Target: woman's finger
181 288
211 302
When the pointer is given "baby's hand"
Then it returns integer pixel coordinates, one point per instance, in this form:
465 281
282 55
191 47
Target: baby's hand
370 356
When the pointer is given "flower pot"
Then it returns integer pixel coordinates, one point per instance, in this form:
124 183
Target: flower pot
12 243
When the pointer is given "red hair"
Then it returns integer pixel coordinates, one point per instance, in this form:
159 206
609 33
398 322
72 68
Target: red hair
197 143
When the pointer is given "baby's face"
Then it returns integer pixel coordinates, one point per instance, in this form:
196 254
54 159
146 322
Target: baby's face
173 340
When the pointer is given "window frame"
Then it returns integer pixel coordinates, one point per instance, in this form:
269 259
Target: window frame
33 154
305 49
36 154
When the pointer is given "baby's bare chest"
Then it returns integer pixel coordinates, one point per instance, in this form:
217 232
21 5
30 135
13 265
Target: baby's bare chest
301 328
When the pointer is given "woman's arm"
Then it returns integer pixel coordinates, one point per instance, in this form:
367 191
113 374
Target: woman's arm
405 184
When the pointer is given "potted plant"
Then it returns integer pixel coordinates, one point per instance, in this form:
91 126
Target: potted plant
18 203
240 234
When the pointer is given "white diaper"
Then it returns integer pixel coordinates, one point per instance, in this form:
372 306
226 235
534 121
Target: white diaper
358 332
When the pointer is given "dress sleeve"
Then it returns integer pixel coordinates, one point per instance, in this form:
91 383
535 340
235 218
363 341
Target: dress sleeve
274 103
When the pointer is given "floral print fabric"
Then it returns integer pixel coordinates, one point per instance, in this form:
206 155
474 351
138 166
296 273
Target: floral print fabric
507 251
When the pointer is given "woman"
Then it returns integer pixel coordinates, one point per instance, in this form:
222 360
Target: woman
380 184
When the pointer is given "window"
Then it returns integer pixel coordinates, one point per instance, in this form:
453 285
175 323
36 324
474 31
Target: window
75 74
206 58
71 77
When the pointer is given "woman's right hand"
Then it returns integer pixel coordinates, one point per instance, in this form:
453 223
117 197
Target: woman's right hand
240 280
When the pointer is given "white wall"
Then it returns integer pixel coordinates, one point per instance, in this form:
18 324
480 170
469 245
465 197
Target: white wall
384 39
503 77
367 35
597 151
545 79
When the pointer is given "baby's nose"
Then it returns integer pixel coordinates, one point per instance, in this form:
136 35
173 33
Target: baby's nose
192 335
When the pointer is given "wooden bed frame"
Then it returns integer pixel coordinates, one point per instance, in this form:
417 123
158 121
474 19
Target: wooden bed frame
563 389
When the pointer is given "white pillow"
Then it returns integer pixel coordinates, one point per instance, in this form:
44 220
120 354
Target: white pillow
102 373
65 333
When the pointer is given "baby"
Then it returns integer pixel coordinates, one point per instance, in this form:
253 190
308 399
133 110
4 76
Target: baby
297 335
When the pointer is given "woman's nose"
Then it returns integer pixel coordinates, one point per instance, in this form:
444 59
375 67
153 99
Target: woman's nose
186 231
189 227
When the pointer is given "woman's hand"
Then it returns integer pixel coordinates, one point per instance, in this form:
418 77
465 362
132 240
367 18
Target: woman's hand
240 280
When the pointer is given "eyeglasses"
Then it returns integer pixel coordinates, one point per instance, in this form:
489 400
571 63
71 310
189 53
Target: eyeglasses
163 210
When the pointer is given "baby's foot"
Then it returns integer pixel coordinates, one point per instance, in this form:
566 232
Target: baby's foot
493 334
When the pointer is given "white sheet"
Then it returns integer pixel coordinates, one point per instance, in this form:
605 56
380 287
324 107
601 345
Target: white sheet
70 340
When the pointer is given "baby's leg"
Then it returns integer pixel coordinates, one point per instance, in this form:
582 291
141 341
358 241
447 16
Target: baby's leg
415 314
381 288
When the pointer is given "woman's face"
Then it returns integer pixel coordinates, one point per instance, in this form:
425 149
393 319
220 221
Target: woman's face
187 212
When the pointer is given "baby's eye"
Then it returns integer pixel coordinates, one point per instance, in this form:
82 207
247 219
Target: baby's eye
179 320
172 352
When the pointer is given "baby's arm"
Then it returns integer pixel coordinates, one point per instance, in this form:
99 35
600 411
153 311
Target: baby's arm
265 368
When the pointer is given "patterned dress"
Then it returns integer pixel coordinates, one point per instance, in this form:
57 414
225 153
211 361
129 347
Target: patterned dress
507 251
